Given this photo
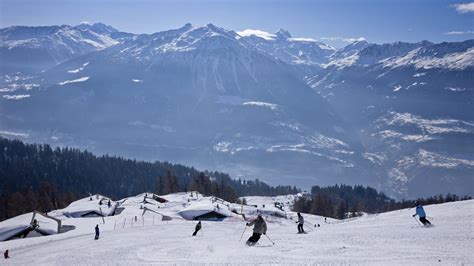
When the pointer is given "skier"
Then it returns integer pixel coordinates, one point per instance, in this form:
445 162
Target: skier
96 232
421 214
109 204
260 227
300 224
6 254
35 224
198 227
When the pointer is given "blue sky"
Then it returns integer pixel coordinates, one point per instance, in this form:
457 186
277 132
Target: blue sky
332 21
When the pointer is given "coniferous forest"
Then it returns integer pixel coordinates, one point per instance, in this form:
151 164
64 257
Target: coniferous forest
40 177
343 201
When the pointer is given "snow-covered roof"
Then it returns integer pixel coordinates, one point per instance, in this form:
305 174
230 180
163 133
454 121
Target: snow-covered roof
18 224
204 206
90 205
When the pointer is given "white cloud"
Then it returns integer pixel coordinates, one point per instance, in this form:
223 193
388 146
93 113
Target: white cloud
259 33
467 32
464 8
331 38
360 39
302 40
343 39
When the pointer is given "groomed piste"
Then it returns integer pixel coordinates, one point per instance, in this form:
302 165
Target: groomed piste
152 229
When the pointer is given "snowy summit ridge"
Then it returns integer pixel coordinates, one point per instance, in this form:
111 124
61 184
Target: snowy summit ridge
305 100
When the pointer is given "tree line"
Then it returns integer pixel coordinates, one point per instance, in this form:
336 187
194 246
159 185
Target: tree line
343 201
39 177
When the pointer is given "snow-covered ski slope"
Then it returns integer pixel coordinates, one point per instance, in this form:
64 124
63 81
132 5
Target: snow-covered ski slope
392 238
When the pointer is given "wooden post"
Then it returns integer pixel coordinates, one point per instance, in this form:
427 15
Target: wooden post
103 220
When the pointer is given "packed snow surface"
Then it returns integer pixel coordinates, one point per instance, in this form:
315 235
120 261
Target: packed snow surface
393 238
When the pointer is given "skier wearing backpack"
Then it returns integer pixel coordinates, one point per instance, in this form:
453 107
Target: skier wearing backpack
421 214
198 227
96 232
300 224
259 228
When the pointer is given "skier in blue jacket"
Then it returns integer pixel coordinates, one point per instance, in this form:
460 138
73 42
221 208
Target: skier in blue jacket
421 214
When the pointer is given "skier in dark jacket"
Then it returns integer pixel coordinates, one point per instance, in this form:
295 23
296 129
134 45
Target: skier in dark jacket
259 228
6 254
300 224
421 214
35 224
198 227
96 232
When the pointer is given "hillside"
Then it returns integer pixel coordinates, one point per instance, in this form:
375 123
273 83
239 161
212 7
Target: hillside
391 238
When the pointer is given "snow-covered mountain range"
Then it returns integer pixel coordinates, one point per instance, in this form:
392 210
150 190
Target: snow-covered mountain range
396 116
33 49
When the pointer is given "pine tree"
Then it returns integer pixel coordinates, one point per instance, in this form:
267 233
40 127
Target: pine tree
341 210
170 183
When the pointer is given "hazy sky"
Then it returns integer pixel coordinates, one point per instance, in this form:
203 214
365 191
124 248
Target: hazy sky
332 21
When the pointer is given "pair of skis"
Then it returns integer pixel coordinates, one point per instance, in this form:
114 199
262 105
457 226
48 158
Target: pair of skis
264 234
423 225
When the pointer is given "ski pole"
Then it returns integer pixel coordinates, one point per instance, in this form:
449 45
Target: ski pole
243 233
417 221
270 239
309 227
